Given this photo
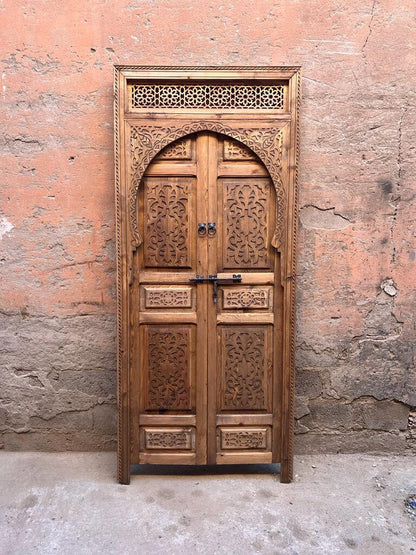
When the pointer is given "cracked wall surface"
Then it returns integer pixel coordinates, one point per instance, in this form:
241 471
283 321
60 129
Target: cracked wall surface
356 304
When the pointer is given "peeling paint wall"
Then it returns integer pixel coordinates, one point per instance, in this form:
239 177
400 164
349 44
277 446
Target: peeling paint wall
356 328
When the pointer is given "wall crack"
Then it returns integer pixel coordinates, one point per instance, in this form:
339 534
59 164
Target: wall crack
397 199
370 26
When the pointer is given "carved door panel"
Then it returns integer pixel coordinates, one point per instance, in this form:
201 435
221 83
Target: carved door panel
244 330
169 339
205 376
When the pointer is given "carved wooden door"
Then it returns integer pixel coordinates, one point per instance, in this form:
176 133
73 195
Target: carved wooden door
206 172
206 380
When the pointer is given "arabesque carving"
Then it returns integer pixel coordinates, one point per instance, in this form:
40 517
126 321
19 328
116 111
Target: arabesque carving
232 150
246 298
165 439
179 150
168 366
168 298
235 97
167 234
243 439
245 364
246 224
147 141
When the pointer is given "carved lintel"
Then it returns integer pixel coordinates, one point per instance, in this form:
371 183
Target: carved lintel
147 141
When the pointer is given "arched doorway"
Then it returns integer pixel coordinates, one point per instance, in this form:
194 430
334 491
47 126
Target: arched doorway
207 324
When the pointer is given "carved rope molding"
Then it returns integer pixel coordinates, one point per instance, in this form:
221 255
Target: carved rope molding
147 141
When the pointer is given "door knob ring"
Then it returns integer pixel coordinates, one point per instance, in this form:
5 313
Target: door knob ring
202 229
212 229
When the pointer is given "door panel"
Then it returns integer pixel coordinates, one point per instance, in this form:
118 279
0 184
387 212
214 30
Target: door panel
242 331
205 384
168 369
244 209
247 298
244 368
169 208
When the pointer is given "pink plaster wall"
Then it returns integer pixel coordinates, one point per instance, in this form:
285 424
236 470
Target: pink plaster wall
356 378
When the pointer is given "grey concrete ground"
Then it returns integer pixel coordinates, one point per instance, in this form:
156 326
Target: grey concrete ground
70 503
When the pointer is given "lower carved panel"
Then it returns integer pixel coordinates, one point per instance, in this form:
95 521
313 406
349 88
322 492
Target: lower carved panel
169 362
244 438
245 363
168 438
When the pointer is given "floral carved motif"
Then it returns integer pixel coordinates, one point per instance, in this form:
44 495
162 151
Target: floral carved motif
147 141
246 298
243 439
246 219
164 439
244 368
179 150
168 367
236 151
168 298
166 240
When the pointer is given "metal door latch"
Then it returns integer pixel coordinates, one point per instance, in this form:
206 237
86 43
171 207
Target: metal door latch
215 280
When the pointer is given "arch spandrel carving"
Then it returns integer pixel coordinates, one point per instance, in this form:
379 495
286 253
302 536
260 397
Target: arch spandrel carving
147 141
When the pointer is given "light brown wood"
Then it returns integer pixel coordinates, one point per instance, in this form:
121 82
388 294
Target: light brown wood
167 420
249 419
204 382
244 458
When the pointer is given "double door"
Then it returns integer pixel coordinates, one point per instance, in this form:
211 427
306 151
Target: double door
206 366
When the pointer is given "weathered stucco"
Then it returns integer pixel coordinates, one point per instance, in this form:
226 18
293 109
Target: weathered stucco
355 357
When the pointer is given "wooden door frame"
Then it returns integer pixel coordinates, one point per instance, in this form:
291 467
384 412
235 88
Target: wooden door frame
151 129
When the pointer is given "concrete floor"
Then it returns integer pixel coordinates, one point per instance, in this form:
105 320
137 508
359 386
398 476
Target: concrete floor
70 503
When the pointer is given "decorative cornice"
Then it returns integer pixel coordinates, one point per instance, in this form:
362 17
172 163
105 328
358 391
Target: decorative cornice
147 141
266 69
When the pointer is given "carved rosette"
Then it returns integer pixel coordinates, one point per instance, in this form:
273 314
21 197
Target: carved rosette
147 141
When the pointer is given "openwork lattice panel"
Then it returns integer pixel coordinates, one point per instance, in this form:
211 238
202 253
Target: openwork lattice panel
244 97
